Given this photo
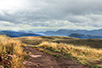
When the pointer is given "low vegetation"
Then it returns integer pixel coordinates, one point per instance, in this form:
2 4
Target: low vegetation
11 53
95 43
84 55
86 51
48 52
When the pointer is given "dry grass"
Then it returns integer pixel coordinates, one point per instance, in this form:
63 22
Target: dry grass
39 39
84 55
11 53
86 51
30 40
96 43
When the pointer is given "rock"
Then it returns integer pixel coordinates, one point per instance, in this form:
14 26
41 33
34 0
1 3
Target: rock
35 56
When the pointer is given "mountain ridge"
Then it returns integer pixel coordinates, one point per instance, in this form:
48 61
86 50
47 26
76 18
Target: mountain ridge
68 32
17 33
85 36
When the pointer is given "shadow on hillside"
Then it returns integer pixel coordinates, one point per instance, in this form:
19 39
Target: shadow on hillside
95 43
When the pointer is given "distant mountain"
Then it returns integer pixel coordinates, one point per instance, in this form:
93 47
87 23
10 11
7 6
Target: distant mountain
84 36
17 34
62 32
49 33
65 32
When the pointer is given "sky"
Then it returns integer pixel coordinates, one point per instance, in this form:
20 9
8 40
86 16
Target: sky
50 14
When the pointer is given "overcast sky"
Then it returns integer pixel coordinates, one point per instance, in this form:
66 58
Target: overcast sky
50 14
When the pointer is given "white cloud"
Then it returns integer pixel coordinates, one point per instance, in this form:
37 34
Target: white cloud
6 23
70 14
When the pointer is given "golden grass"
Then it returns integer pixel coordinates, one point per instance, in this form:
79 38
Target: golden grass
11 52
30 40
39 39
84 55
86 51
95 43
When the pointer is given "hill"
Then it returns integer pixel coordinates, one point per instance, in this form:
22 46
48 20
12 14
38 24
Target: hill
17 34
85 36
59 51
94 43
78 50
65 32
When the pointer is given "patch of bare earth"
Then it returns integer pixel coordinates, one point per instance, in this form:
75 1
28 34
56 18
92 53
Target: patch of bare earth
43 60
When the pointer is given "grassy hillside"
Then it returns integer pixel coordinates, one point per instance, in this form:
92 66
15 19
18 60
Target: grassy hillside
95 43
39 39
86 51
11 53
84 55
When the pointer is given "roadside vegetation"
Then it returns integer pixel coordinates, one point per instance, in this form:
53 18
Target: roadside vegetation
12 54
86 51
84 55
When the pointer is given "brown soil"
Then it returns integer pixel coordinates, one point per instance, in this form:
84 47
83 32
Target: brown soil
43 60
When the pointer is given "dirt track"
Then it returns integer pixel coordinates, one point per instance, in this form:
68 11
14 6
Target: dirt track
43 60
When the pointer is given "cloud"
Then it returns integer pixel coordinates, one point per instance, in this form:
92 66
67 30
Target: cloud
70 14
5 23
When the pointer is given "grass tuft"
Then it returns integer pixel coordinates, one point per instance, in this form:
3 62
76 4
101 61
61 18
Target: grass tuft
86 55
11 53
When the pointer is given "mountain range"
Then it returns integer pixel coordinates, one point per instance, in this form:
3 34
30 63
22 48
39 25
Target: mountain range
65 32
82 34
17 34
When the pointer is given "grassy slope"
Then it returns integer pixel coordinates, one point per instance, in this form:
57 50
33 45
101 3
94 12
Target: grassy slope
84 55
95 43
86 51
11 53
